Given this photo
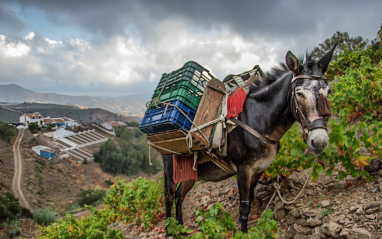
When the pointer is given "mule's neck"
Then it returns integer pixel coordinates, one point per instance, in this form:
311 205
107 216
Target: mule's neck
268 110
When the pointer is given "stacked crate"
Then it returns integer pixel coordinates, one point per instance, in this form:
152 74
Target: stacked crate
183 89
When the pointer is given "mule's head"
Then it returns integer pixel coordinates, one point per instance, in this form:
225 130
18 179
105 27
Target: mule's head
310 104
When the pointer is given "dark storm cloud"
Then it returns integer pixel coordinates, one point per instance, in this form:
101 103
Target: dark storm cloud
247 18
8 20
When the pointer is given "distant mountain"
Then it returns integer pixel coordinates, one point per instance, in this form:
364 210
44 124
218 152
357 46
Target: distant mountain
12 112
129 105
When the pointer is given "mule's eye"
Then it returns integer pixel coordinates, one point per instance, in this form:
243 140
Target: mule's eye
300 95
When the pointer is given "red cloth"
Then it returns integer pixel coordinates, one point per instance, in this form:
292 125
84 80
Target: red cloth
182 168
235 103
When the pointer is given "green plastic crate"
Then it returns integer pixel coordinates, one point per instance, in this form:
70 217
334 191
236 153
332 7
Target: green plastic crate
191 71
185 84
184 91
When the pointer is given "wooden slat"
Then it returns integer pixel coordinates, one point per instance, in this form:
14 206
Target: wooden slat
208 110
177 145
170 134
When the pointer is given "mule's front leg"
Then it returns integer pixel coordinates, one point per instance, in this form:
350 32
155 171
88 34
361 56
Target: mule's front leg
244 176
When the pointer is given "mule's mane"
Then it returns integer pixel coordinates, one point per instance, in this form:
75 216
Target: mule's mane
278 71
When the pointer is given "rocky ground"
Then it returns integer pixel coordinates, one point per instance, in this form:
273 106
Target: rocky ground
328 208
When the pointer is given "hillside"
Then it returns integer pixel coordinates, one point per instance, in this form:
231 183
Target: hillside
8 115
48 184
89 115
328 208
129 105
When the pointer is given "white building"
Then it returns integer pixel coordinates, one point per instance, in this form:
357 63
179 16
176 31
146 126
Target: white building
30 118
113 124
43 121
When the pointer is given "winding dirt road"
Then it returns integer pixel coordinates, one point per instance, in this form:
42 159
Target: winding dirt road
17 176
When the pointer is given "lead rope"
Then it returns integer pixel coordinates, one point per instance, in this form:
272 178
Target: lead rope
278 187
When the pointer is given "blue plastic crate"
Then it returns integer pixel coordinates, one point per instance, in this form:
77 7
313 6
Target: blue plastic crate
156 121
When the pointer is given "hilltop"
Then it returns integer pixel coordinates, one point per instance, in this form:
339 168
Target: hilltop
12 112
127 105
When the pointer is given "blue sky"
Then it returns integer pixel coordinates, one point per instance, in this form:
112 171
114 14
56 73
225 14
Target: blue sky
121 47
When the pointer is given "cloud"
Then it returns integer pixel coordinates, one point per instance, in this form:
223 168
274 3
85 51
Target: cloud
122 47
9 21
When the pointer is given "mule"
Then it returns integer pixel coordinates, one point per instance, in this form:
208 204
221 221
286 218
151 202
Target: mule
289 93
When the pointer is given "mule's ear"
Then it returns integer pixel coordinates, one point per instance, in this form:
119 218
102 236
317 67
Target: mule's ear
325 60
292 62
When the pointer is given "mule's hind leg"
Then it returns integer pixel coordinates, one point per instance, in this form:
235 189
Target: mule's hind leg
180 194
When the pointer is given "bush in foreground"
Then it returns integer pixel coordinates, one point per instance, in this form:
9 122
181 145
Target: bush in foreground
43 217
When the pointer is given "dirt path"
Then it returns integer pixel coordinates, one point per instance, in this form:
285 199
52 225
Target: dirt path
17 176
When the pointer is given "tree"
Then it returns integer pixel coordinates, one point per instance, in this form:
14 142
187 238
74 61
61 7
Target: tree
377 42
342 39
32 126
49 126
7 131
132 124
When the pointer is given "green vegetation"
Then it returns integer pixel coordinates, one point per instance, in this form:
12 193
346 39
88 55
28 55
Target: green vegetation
108 182
356 82
7 131
91 196
127 154
43 217
49 126
217 223
138 202
10 208
132 124
34 141
33 126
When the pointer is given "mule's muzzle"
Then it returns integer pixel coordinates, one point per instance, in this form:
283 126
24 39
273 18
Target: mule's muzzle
317 140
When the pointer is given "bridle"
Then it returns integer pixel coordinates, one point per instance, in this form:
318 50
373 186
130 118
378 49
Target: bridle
306 124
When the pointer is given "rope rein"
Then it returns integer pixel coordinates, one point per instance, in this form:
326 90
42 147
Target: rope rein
278 187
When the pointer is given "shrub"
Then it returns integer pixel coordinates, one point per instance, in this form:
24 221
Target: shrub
108 182
217 223
32 126
91 196
43 217
7 131
10 208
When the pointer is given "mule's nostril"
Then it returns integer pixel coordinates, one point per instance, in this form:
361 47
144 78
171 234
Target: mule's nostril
312 142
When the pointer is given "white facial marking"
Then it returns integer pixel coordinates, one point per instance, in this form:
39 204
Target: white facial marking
307 100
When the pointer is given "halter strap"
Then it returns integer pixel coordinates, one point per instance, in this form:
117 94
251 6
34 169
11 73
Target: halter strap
308 77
